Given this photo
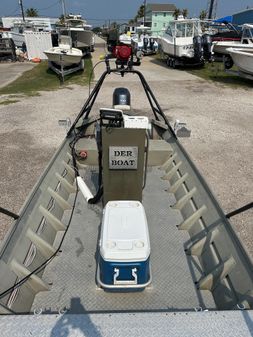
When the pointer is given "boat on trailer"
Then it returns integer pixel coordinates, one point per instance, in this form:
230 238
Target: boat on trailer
183 43
122 235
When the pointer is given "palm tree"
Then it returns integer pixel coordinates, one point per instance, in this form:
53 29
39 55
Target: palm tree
32 12
176 13
203 15
185 13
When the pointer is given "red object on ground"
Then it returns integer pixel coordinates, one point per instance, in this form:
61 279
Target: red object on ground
36 60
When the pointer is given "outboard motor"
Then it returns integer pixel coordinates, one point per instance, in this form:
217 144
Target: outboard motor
121 99
198 49
151 44
145 43
207 47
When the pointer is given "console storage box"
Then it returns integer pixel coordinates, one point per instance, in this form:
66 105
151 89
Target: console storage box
124 247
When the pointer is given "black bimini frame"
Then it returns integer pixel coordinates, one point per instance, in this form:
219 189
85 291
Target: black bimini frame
157 111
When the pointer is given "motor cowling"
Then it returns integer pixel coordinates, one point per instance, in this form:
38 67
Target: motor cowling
198 48
121 97
145 43
151 43
123 53
207 47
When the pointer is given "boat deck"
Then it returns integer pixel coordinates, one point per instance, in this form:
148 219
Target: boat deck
73 273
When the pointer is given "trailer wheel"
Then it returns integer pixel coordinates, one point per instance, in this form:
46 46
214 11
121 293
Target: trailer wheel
168 61
173 64
228 62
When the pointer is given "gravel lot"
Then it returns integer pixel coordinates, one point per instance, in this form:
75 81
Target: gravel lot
221 120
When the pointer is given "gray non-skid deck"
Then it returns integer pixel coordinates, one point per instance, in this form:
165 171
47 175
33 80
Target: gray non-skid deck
73 272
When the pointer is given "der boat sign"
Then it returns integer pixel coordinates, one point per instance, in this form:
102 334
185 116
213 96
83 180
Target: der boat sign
123 157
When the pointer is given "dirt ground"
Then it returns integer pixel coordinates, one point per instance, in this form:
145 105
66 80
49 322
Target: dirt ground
221 120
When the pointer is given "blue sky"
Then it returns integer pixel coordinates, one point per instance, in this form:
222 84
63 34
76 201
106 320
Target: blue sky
98 11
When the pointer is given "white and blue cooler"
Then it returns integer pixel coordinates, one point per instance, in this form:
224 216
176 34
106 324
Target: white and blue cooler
124 247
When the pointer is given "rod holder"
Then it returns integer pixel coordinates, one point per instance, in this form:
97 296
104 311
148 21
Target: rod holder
59 200
210 281
178 183
50 218
168 162
184 200
34 282
44 247
198 248
171 173
189 222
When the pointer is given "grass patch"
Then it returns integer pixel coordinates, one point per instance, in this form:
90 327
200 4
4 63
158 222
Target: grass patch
8 101
40 78
215 72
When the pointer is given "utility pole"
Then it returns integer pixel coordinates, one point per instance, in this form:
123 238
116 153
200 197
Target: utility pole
63 8
22 9
211 8
144 17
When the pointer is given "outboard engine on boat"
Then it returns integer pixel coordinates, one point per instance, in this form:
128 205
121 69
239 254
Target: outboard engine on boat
121 99
152 44
207 47
198 48
145 43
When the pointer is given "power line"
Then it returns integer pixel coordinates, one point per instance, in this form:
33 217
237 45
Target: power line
45 8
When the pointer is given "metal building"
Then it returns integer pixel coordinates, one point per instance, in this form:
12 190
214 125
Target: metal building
245 16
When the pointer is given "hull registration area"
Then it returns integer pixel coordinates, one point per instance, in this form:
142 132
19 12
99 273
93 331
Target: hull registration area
123 157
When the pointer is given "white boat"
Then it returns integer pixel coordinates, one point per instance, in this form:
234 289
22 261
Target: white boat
64 55
80 33
221 47
182 42
17 32
145 43
243 59
142 41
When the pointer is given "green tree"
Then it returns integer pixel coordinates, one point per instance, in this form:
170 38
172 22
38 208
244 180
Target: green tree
176 13
97 30
203 15
32 12
131 22
185 13
140 13
114 25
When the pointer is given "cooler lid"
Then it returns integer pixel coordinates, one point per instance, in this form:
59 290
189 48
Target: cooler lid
124 233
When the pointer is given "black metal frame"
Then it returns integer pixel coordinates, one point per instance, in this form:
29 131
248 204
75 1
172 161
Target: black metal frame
9 213
86 109
239 210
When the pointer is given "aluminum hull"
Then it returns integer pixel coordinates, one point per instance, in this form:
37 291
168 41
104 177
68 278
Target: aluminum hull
198 262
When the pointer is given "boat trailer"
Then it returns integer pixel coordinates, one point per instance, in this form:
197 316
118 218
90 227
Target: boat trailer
62 71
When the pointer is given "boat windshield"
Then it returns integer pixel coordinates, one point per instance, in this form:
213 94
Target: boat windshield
186 29
247 34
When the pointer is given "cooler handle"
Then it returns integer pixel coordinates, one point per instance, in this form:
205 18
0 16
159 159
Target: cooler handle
125 282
